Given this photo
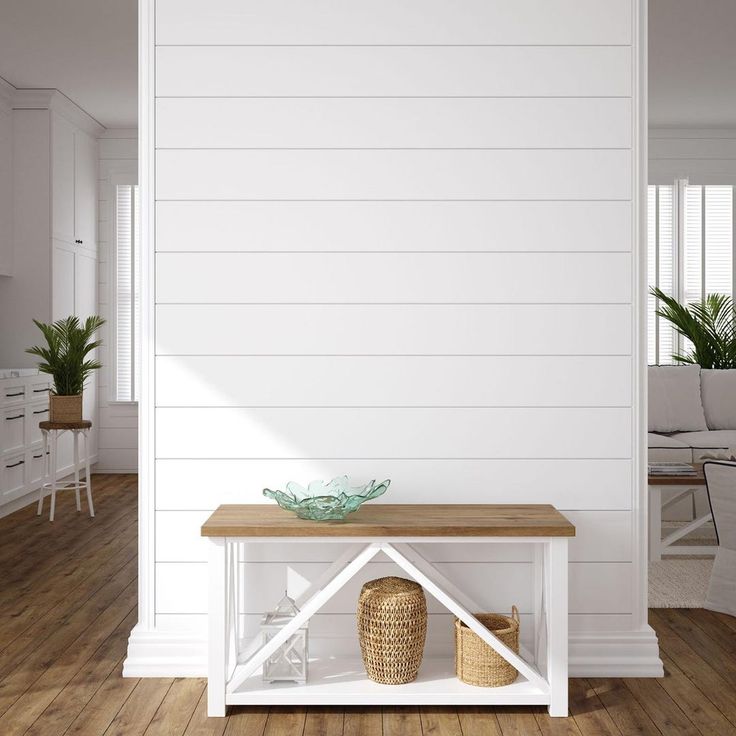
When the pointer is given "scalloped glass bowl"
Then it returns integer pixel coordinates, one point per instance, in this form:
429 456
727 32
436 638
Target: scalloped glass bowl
331 501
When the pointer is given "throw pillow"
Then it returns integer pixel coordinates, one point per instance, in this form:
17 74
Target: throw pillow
718 389
675 404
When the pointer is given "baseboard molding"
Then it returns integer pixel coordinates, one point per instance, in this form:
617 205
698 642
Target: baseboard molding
31 496
613 654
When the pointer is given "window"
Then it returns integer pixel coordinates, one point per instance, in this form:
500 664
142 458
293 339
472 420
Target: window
127 297
690 247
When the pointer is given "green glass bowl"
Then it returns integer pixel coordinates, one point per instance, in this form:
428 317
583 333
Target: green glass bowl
321 501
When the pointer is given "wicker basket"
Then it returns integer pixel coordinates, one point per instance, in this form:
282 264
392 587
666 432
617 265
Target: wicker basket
478 664
65 408
392 627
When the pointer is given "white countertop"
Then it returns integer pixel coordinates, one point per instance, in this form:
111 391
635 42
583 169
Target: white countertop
17 372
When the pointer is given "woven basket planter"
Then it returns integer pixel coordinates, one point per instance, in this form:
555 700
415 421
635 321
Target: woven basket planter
478 664
65 408
392 627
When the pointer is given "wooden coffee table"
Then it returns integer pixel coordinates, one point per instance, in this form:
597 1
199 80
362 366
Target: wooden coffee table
676 487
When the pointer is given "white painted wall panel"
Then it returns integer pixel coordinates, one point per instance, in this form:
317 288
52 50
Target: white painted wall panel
311 152
411 21
393 174
393 330
199 485
393 278
393 71
393 226
238 122
393 433
393 381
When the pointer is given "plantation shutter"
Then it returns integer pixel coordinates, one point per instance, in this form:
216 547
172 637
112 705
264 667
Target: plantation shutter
127 299
661 268
690 253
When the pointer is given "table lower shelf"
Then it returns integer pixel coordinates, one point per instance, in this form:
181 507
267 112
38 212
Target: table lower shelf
344 682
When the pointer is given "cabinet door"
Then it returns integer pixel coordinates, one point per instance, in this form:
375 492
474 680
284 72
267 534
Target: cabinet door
85 305
85 190
62 179
63 278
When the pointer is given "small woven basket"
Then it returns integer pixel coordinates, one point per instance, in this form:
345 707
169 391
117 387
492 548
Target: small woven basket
392 627
478 664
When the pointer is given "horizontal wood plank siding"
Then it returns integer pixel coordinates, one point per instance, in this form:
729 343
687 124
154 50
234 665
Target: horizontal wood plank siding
394 123
451 381
531 226
224 22
198 484
393 278
394 433
427 329
393 174
393 71
395 240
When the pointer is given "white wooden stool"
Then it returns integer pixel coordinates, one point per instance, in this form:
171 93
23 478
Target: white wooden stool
51 432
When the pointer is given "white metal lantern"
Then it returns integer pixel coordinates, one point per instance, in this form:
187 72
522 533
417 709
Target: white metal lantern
289 661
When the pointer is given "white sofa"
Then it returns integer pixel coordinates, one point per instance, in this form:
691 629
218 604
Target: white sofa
692 414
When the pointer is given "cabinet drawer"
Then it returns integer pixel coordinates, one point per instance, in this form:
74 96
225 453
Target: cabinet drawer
35 413
13 394
14 428
36 465
39 389
12 473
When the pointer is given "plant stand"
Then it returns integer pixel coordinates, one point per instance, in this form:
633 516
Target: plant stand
51 432
234 675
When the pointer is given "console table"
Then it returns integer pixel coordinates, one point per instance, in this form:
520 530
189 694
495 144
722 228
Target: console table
234 675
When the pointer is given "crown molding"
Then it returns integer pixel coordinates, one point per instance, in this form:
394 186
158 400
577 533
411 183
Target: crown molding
52 99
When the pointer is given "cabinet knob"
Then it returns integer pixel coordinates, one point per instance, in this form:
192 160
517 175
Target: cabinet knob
78 241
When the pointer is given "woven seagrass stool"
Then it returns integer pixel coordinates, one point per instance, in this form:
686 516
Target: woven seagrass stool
51 432
392 627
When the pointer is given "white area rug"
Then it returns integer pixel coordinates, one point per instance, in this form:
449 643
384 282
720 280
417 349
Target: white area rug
679 583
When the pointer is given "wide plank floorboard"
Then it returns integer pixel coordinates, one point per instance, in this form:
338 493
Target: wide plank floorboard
67 604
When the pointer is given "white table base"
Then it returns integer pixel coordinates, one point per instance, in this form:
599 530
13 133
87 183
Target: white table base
659 545
234 676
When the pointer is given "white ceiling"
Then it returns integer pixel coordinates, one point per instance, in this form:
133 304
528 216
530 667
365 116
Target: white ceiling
692 63
86 49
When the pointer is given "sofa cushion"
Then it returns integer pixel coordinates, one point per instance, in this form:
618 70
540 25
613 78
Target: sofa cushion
666 449
674 399
716 439
718 389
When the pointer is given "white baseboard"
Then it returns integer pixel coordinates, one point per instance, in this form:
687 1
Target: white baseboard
612 654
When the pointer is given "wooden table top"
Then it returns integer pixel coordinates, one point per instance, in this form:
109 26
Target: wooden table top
678 480
394 520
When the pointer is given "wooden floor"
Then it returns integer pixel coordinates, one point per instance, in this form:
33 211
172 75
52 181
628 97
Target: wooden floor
68 602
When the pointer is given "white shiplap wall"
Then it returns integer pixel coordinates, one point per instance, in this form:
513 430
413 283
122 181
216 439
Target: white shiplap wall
395 240
118 434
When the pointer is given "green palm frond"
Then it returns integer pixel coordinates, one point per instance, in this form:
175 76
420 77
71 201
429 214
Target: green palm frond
68 343
710 325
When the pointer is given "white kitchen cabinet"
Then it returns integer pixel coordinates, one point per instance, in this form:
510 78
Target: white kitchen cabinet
85 190
62 178
74 184
63 270
24 402
54 212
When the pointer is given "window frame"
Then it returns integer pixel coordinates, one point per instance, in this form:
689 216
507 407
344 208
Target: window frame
679 185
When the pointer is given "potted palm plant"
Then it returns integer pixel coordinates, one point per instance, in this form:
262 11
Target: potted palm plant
65 357
709 325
